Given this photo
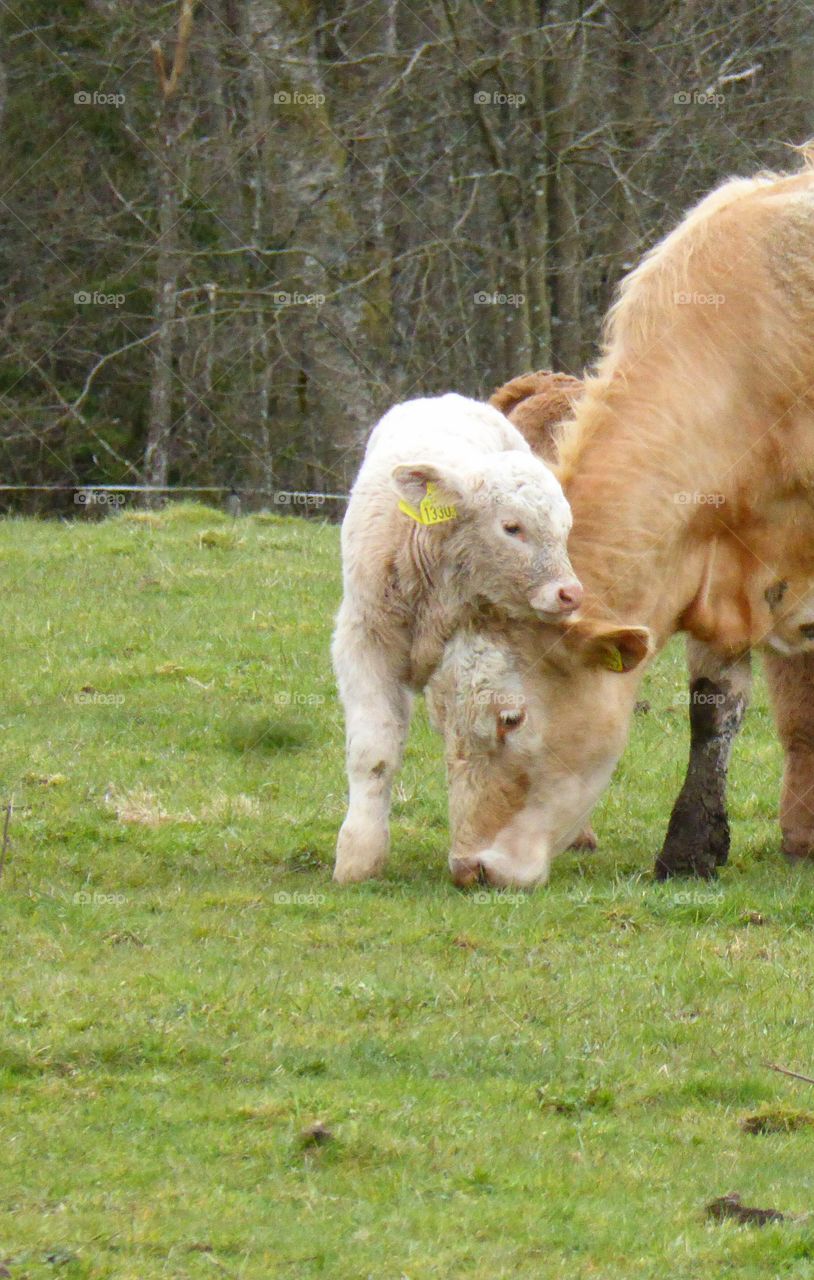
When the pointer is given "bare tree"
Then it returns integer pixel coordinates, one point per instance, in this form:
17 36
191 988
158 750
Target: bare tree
168 127
323 208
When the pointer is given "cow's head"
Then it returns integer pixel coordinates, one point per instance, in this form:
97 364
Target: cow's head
510 529
534 719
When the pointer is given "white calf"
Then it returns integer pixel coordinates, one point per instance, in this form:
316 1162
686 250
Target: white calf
451 515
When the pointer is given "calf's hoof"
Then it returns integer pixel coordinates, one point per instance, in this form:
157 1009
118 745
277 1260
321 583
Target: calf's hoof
360 855
696 844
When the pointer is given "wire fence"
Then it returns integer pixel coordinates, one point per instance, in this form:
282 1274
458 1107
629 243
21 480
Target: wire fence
167 488
97 498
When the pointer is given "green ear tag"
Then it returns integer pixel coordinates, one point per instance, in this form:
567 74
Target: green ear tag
612 659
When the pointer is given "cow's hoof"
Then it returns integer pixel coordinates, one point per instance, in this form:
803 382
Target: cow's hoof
798 847
585 840
495 868
465 873
668 867
695 845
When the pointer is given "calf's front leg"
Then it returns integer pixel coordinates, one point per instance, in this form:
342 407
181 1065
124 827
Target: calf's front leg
791 687
697 840
377 716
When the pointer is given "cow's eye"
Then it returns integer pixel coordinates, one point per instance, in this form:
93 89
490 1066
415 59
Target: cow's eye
807 630
513 529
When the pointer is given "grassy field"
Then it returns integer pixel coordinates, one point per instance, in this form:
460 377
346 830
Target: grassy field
551 1085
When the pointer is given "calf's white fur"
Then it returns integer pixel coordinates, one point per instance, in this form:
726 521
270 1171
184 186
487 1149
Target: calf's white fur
451 515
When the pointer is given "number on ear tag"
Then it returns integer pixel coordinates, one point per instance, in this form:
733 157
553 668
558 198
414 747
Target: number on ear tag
429 512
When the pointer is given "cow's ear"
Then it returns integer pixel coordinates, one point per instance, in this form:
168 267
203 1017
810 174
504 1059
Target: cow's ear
412 479
614 648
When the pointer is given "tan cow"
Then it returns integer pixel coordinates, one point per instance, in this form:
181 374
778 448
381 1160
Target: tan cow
689 468
698 834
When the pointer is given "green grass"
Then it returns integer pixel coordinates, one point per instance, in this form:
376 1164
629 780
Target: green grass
551 1085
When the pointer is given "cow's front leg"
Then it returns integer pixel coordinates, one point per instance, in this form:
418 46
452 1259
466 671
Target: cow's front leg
377 717
697 840
791 686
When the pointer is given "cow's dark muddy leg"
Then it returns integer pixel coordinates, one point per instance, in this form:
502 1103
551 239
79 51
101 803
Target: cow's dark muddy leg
697 840
791 685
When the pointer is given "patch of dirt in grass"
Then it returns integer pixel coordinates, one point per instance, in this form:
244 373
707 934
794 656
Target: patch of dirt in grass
225 806
465 943
572 1101
124 938
777 1120
304 860
316 1135
617 918
143 808
732 1207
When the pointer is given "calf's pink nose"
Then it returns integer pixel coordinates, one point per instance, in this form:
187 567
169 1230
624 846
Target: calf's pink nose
569 596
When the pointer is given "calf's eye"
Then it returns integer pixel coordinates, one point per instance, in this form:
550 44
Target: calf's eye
508 721
513 529
807 630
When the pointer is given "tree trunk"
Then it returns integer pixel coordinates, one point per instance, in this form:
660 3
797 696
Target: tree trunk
159 425
562 96
160 421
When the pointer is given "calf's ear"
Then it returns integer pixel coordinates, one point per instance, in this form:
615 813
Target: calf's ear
614 648
410 481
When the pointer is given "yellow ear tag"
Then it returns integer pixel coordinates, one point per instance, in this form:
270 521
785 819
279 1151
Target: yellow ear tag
612 659
429 512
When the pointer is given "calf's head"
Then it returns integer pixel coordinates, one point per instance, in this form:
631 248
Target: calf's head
510 527
534 719
790 629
